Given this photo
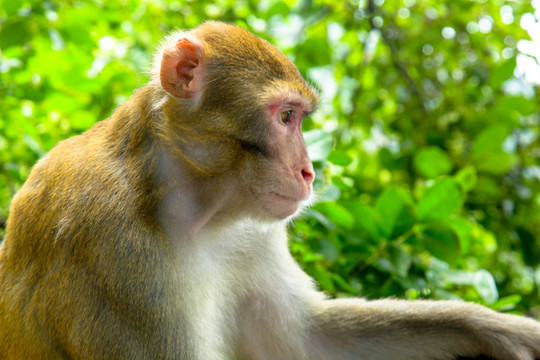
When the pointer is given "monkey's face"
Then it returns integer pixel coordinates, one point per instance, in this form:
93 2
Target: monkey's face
239 105
282 175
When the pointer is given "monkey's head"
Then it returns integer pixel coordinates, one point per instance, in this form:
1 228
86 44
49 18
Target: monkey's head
235 105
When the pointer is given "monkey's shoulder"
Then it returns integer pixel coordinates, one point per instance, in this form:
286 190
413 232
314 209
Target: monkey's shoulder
81 178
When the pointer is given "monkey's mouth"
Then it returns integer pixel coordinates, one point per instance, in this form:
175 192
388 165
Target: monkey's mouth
295 199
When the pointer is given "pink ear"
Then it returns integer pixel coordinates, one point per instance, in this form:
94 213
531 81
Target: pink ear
181 70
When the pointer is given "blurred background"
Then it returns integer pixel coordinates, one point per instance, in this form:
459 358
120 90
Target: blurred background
426 145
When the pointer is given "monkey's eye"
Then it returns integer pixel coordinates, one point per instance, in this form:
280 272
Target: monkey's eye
286 116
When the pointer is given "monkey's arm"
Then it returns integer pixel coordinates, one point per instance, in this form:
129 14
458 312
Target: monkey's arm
395 329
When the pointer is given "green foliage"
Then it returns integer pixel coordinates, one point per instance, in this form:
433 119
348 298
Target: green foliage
426 146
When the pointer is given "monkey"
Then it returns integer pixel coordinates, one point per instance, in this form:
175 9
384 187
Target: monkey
161 232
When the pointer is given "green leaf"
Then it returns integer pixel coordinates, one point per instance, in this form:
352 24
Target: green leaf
509 110
329 193
497 163
390 161
441 242
310 257
520 104
460 277
319 144
486 287
467 178
11 7
314 51
322 276
14 32
34 145
325 248
502 73
395 217
82 120
338 280
507 303
432 162
400 259
464 231
278 8
365 219
339 158
487 151
320 218
337 214
440 201
489 140
385 265
343 183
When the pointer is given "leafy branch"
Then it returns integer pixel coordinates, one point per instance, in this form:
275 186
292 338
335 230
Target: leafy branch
372 11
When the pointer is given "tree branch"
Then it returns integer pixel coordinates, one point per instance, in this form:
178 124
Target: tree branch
372 10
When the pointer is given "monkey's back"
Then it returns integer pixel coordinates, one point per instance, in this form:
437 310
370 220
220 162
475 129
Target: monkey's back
58 277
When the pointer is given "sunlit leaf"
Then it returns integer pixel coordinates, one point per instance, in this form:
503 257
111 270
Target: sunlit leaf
486 287
336 214
502 73
339 158
507 303
319 144
34 145
464 231
441 200
488 154
432 162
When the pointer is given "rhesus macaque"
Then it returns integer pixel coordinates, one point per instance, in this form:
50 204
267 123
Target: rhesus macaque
160 233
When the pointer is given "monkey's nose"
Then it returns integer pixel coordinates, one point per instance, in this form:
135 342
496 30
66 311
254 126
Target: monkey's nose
308 175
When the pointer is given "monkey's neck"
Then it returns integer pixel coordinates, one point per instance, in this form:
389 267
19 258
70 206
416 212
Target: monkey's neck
193 203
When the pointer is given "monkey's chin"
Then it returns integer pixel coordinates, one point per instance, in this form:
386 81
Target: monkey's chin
282 207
